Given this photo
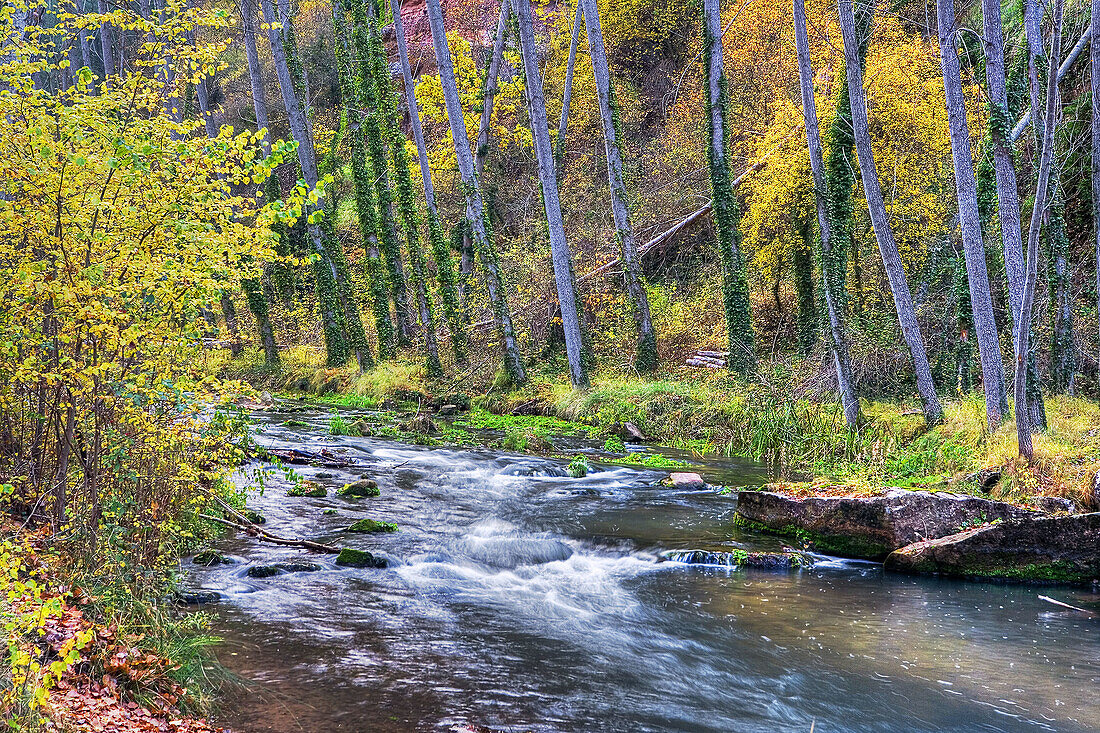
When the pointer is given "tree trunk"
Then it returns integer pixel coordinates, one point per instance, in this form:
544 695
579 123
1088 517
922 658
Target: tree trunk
560 255
1063 350
475 208
966 190
888 248
106 44
489 93
336 347
838 339
645 359
726 214
1094 63
441 250
803 267
229 313
373 86
567 93
406 198
1023 426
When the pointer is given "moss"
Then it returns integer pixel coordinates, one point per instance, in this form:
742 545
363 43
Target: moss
353 558
362 488
308 489
840 545
578 467
254 516
371 526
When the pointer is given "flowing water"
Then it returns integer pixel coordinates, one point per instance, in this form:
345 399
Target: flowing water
520 599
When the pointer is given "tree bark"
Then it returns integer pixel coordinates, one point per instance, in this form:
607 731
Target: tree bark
966 191
106 44
888 248
1023 424
325 271
492 76
441 250
1094 63
475 208
560 255
838 339
645 358
567 93
726 215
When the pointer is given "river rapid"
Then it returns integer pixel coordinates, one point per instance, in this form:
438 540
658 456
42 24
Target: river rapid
520 599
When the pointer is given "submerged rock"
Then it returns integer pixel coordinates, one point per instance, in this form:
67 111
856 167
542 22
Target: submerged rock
197 597
254 516
308 489
686 481
511 552
372 525
788 560
361 488
352 558
289 566
1062 549
869 527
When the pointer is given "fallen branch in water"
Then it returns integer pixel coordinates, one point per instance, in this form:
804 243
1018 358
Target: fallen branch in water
1048 599
264 536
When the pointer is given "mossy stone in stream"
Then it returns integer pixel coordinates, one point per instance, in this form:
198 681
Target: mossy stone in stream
372 525
290 566
352 558
329 512
295 424
361 488
324 475
254 516
210 558
309 489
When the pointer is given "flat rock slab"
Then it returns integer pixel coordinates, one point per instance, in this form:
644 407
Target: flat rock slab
869 527
1062 549
686 481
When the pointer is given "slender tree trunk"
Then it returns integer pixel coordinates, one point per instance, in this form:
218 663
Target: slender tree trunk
406 198
645 359
1063 350
475 208
1094 63
325 274
888 248
229 313
726 215
1008 195
253 291
966 190
1023 424
375 85
441 250
838 339
803 271
567 94
492 76
560 255
106 42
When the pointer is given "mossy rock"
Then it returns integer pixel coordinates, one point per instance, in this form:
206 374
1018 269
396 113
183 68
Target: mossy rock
351 558
295 424
308 489
254 516
329 512
290 566
324 475
372 526
210 558
362 488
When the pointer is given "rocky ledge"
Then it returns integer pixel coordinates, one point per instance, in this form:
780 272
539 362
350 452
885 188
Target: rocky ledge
1054 549
738 559
869 527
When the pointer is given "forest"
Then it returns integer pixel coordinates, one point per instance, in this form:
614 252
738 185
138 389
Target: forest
545 299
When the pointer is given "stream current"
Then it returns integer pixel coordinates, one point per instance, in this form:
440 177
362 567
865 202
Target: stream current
520 599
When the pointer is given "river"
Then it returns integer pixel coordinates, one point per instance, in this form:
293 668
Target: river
519 599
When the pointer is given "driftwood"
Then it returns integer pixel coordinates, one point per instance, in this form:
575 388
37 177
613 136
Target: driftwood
264 536
1048 599
308 458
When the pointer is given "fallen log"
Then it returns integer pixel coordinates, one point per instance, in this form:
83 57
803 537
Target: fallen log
307 458
264 536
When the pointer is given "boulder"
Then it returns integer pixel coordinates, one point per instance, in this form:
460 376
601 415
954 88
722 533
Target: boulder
630 432
1052 549
787 560
371 526
197 597
351 558
447 410
869 527
358 489
1055 504
309 489
420 424
266 399
686 481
